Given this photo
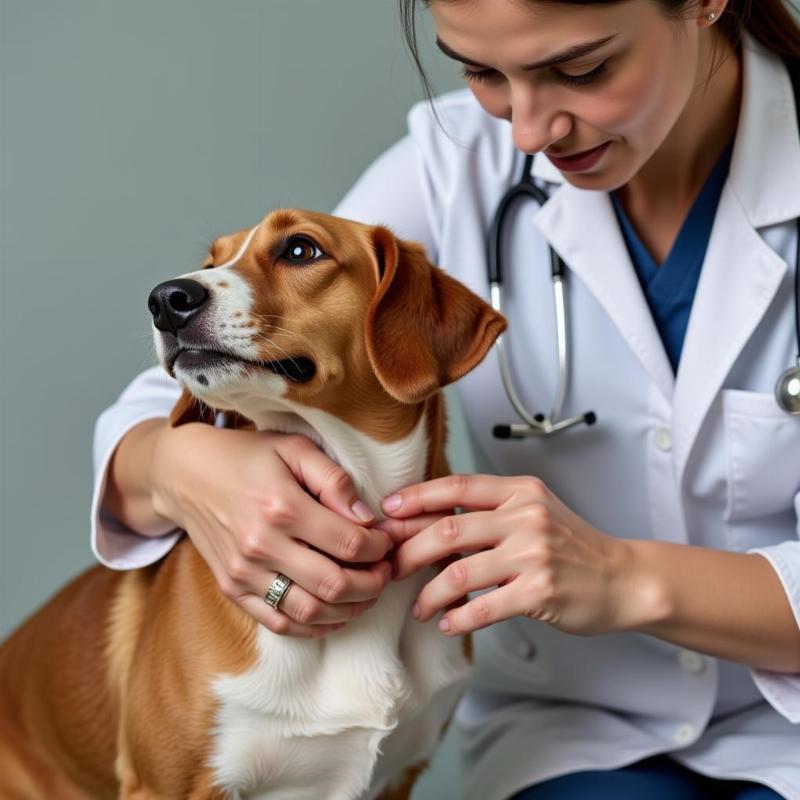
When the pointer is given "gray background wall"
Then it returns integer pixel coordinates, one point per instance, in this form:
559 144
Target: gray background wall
131 133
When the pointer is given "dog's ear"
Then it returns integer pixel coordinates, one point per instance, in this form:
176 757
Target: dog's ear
424 329
190 409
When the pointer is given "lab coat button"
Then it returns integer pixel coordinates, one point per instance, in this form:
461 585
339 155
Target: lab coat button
663 439
684 733
691 661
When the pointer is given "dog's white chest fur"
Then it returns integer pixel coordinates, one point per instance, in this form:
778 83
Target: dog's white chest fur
337 718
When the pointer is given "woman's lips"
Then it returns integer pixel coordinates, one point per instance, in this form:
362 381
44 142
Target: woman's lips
580 161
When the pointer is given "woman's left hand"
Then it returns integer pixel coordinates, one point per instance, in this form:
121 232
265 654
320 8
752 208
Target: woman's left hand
546 562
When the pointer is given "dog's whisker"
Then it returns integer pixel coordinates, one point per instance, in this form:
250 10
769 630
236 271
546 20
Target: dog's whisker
288 355
265 339
286 332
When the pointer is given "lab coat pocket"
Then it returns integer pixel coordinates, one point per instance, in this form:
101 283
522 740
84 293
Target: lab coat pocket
763 444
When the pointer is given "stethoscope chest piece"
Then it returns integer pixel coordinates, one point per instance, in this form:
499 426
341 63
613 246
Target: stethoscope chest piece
787 390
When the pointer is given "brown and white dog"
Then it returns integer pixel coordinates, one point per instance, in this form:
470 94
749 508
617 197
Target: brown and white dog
150 683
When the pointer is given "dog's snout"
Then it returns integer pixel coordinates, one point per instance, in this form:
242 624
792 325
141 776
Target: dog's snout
173 303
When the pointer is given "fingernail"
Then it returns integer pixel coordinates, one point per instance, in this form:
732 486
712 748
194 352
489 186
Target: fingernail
415 611
392 503
362 511
444 625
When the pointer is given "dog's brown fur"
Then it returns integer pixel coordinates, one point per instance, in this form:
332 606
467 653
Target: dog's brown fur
104 691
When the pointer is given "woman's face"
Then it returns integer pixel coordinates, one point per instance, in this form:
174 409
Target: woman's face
628 91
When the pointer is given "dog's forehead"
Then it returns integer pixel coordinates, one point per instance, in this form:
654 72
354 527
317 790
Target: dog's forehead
340 237
284 219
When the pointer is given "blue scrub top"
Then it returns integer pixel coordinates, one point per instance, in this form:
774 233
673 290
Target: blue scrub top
670 288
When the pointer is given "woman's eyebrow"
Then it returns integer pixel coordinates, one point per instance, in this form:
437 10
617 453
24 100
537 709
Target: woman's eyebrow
576 51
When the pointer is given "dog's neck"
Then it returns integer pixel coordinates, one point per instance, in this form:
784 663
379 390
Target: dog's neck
377 468
383 685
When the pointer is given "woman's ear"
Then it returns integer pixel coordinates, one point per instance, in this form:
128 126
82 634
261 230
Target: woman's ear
424 329
190 409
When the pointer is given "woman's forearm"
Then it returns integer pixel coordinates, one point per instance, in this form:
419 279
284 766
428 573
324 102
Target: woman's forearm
129 488
728 605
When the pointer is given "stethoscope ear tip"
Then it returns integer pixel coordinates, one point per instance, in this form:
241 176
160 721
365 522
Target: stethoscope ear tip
590 418
502 431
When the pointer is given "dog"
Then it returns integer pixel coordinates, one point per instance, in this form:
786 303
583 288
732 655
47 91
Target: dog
150 683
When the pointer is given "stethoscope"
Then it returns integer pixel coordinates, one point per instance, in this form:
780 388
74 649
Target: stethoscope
787 389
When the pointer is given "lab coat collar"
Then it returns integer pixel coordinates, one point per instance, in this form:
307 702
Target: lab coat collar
765 169
739 280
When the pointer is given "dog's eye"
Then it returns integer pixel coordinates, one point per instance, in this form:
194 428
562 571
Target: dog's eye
300 249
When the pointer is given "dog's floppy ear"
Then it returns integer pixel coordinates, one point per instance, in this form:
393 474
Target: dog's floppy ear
190 409
424 329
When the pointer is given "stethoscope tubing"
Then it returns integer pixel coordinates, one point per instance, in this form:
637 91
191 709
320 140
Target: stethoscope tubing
535 424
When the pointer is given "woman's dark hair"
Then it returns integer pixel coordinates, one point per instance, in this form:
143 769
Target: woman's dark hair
768 21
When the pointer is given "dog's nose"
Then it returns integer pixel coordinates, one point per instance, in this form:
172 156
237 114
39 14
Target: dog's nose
174 303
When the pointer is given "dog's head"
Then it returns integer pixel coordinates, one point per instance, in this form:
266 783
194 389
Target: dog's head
318 311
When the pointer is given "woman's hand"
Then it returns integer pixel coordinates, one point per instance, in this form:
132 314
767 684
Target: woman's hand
547 562
247 500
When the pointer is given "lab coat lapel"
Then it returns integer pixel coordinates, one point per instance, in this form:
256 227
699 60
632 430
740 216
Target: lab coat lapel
581 227
741 272
740 276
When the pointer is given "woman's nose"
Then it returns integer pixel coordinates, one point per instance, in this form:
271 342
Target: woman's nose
535 127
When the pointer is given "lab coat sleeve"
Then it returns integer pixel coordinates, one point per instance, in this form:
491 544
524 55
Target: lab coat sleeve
782 689
152 394
394 191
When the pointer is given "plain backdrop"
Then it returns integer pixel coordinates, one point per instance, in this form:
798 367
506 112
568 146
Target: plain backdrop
131 134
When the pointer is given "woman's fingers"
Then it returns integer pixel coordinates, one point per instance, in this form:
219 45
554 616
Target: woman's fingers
461 576
324 478
402 529
454 534
484 610
440 494
316 572
332 583
301 606
306 609
278 622
329 532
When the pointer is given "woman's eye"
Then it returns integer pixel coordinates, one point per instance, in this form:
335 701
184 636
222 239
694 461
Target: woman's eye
300 249
583 79
476 76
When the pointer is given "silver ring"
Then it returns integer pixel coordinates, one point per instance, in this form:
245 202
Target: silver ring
277 590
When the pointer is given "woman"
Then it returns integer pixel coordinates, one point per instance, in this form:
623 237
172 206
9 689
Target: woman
618 557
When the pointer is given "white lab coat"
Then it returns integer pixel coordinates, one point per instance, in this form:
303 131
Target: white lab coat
705 458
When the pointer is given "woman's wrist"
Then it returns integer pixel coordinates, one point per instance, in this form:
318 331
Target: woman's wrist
642 599
169 465
128 492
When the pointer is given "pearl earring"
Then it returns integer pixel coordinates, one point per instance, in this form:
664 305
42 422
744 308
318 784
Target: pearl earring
712 15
